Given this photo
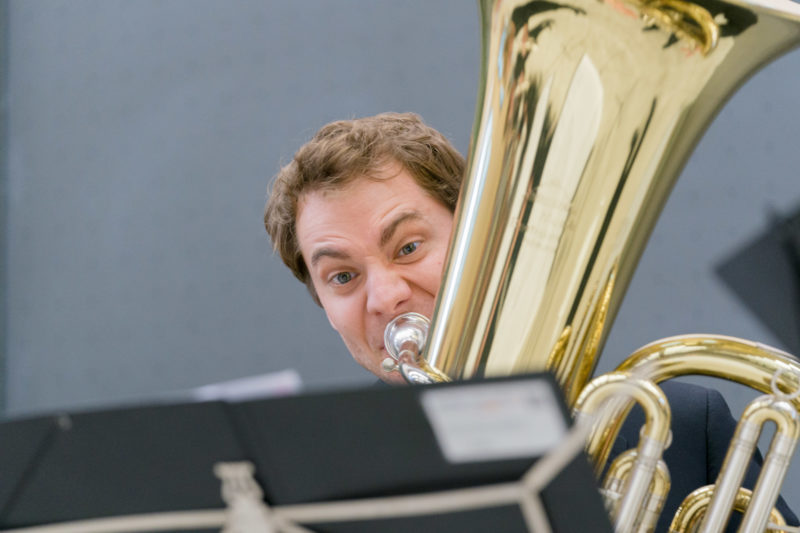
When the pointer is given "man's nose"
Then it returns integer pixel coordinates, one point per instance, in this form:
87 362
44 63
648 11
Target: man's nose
386 291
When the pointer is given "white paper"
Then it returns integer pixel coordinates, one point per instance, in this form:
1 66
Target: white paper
283 383
495 420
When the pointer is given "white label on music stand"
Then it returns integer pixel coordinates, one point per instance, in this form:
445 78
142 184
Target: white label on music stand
495 421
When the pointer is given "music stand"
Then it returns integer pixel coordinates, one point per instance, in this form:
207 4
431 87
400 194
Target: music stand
323 447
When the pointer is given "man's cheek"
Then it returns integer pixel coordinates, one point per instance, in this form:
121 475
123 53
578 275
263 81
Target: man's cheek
332 323
330 314
359 354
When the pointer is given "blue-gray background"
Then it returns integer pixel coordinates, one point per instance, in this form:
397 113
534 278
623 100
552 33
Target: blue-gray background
138 141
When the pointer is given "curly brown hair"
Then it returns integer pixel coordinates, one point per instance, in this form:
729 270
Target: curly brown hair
344 150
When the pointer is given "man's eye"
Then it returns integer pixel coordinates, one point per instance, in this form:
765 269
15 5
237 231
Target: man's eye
342 277
409 248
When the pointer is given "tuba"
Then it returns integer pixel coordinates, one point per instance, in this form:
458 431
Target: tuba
587 111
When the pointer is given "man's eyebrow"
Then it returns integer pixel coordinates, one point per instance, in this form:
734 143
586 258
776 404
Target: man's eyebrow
388 231
327 252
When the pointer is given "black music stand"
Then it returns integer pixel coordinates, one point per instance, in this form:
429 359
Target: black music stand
310 448
116 462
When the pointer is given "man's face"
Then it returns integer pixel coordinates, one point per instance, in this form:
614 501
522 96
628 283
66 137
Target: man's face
375 249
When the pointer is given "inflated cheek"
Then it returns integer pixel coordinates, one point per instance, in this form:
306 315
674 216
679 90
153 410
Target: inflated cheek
439 264
433 273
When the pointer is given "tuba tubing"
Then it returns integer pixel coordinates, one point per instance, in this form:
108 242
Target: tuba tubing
614 489
757 365
694 507
654 438
761 410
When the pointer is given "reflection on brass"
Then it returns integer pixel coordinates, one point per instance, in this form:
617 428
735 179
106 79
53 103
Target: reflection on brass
769 408
614 488
654 439
693 509
686 20
559 361
604 389
746 362
761 367
587 112
557 353
593 339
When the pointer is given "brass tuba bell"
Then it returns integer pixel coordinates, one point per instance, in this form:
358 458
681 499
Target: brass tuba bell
587 112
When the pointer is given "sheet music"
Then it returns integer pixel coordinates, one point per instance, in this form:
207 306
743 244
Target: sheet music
495 421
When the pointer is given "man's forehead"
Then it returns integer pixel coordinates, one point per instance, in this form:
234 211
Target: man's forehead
368 209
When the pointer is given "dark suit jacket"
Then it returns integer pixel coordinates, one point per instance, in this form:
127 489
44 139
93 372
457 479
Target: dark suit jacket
702 427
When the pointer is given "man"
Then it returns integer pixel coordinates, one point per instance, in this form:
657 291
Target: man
363 216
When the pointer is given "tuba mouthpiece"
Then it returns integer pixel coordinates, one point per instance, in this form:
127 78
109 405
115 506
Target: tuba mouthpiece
404 338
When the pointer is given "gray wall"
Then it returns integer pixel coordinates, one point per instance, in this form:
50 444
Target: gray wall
143 136
141 139
3 191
